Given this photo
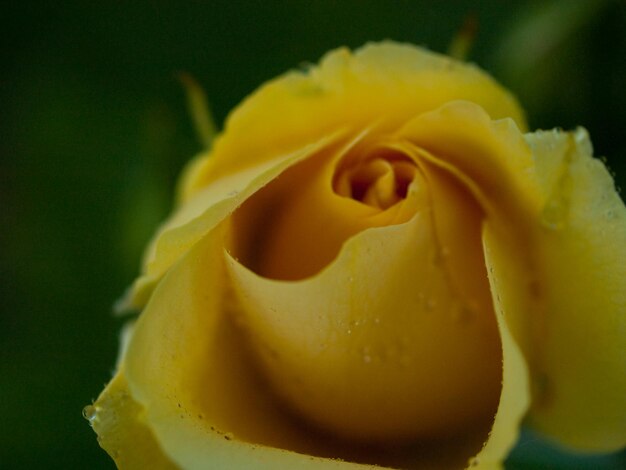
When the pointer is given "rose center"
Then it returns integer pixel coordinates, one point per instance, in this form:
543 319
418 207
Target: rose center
380 182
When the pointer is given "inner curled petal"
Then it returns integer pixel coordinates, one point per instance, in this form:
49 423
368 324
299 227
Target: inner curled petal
377 182
295 226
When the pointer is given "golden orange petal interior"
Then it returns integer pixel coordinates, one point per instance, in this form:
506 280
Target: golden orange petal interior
380 182
296 225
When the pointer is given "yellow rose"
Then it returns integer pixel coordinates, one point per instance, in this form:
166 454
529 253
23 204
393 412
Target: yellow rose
374 265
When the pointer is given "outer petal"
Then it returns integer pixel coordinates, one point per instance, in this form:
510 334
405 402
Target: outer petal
581 395
555 236
380 360
204 211
188 368
494 162
122 432
392 80
513 405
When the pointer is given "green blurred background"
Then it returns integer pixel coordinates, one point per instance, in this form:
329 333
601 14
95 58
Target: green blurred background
94 131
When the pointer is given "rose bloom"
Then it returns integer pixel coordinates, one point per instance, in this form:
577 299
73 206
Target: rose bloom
375 266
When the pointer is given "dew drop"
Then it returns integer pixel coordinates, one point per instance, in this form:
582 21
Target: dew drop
473 462
580 135
89 412
229 436
553 216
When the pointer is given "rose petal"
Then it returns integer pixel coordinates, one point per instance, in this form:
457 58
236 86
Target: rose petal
392 80
122 432
580 335
205 210
555 235
373 348
315 104
186 365
296 225
494 163
306 107
514 400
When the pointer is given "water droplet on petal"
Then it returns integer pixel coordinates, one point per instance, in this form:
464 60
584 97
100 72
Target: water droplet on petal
553 216
89 412
580 136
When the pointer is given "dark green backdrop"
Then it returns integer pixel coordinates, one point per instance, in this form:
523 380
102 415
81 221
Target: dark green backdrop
94 131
